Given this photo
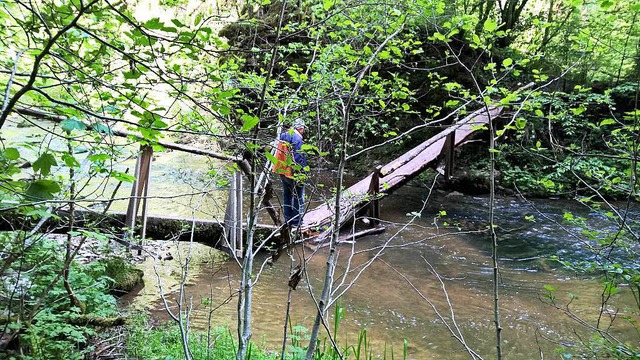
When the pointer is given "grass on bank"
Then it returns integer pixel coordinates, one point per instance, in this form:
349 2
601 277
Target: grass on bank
164 342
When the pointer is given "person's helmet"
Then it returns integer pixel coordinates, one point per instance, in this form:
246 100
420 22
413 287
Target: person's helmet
299 124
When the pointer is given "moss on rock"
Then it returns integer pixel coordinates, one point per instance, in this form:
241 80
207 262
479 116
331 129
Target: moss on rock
125 276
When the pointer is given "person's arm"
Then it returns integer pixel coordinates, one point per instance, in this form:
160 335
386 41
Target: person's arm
298 156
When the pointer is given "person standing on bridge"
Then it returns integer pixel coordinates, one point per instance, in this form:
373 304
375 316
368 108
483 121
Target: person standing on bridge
291 165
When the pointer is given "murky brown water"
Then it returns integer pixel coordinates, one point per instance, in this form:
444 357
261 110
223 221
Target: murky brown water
181 184
398 296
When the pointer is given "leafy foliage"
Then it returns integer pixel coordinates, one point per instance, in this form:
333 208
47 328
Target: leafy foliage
33 265
97 68
561 149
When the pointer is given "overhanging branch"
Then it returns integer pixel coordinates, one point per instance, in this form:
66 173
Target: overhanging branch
124 133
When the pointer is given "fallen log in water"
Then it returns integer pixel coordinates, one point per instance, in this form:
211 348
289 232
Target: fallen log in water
208 232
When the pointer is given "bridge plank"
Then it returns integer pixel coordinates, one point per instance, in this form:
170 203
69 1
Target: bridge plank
397 172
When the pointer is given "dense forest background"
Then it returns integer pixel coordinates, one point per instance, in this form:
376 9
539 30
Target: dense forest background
370 79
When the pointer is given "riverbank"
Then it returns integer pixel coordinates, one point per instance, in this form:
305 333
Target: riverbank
449 236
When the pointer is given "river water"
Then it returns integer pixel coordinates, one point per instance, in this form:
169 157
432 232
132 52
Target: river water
433 280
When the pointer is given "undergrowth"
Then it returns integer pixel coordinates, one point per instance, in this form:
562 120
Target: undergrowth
164 342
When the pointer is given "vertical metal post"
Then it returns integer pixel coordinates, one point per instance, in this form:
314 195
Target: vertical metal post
233 217
238 216
229 230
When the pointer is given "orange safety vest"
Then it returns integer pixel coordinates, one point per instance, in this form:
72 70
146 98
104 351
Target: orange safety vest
283 160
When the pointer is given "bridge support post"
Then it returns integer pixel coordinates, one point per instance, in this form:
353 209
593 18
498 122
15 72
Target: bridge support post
233 217
449 151
374 191
139 191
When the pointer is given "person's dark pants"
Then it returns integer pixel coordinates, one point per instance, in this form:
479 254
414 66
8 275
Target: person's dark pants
293 200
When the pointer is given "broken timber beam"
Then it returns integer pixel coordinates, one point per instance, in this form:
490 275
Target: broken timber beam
208 232
449 151
318 242
374 192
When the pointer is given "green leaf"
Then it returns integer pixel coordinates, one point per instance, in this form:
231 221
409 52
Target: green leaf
44 164
490 66
272 159
223 110
507 62
102 129
71 124
122 176
384 55
579 110
11 153
70 160
327 4
131 75
159 124
606 4
249 122
607 122
452 103
198 19
154 24
490 25
611 289
42 190
439 36
177 23
41 213
99 157
479 127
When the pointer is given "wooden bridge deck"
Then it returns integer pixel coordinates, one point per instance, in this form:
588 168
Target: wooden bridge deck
398 172
391 176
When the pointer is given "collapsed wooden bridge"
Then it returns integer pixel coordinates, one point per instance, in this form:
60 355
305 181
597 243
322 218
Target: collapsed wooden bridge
366 193
385 179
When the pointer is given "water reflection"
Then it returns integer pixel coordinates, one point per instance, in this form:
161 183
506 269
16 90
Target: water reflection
430 278
402 294
181 184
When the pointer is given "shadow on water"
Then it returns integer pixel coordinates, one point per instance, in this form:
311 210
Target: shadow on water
431 276
427 278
